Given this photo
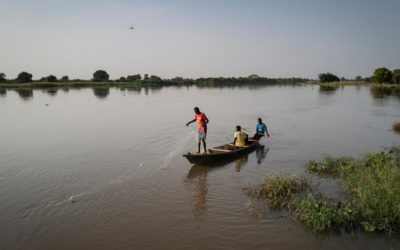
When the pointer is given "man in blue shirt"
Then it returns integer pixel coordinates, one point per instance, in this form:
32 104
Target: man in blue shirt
261 130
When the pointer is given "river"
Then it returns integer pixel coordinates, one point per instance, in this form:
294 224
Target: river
103 168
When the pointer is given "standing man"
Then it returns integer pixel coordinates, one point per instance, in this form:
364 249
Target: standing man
202 121
261 130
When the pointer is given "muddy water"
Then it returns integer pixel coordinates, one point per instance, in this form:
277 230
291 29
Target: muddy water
102 168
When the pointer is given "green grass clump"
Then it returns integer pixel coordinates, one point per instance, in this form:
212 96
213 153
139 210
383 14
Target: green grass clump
320 215
372 201
373 189
396 127
279 190
331 166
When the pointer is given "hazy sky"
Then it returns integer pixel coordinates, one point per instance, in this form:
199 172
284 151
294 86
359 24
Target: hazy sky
275 38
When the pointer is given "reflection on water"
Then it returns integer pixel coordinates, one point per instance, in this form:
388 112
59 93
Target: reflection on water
261 153
25 94
199 173
327 89
101 92
380 93
240 162
3 91
51 91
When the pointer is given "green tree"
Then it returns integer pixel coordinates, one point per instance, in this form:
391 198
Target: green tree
51 78
359 78
396 76
155 79
2 77
133 78
100 76
24 77
328 77
382 75
64 79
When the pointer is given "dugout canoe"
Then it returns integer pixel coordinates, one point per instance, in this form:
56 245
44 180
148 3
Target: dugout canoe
220 153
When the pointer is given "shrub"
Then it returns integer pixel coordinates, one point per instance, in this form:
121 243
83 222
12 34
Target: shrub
279 190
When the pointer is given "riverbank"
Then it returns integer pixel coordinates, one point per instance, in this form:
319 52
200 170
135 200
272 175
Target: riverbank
372 195
354 83
158 82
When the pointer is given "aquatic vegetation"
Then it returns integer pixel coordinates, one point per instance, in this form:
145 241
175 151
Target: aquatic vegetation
396 127
253 209
372 185
321 215
278 190
372 194
330 166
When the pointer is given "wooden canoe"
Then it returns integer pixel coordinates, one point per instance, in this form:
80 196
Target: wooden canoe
223 152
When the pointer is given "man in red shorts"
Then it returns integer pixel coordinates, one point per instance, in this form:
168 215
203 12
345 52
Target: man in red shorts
202 121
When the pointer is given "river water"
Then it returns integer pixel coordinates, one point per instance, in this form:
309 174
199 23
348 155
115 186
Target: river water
103 168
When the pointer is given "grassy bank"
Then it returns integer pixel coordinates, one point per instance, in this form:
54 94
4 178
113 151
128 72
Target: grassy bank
158 82
354 83
372 201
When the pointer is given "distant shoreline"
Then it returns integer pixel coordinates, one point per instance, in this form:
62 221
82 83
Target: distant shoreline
200 82
140 84
354 83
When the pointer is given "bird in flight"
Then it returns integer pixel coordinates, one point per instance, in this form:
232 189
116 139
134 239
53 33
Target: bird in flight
131 27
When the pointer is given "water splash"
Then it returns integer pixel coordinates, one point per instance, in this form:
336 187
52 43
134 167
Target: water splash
179 146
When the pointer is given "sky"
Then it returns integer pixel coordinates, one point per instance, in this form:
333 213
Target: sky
204 38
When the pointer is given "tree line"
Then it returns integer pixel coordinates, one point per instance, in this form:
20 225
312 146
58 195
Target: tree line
381 75
103 76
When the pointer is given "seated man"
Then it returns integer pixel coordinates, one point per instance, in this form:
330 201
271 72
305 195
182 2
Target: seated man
261 130
241 138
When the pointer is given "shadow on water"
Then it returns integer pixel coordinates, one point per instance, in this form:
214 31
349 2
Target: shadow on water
25 94
101 92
